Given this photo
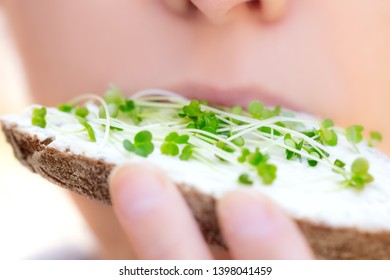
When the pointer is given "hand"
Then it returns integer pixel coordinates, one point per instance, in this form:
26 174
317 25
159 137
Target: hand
159 224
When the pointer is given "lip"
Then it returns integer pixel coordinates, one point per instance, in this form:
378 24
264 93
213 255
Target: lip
237 95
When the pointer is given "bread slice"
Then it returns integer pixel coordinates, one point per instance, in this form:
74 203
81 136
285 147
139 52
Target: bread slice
78 171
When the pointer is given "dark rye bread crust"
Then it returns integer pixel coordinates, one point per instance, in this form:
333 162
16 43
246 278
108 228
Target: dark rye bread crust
89 177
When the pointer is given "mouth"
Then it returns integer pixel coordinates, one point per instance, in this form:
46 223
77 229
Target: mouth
238 95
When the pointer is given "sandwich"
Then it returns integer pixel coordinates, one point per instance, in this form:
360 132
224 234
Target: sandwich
332 181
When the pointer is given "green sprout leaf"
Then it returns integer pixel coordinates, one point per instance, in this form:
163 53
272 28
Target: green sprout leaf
359 174
288 141
143 137
37 121
244 154
327 123
354 133
114 96
255 109
339 163
267 173
169 149
314 153
360 166
244 179
81 111
40 112
142 145
170 146
187 151
193 109
237 110
128 145
112 110
239 141
256 158
329 136
182 139
66 108
269 130
375 137
39 117
171 137
224 146
128 106
88 127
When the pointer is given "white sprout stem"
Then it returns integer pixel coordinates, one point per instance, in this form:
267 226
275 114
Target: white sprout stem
158 105
256 121
161 92
106 111
319 147
214 136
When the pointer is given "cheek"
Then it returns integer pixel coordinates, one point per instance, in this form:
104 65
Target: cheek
73 48
361 52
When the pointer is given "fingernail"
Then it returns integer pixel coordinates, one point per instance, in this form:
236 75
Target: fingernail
136 188
247 214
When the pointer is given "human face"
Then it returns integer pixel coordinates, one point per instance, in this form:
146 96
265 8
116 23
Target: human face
329 58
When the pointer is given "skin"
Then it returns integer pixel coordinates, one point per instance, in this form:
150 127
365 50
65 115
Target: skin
327 58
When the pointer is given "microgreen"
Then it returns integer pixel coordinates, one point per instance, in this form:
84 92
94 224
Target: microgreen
39 117
178 139
112 111
269 130
81 111
259 161
328 135
127 106
290 142
237 110
142 144
88 127
244 179
67 108
203 120
255 158
192 110
255 109
169 149
129 109
354 133
267 173
314 153
114 96
233 135
359 174
244 154
239 141
224 146
187 151
375 137
339 163
170 146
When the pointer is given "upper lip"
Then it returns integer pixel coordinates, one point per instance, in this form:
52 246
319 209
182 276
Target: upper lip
234 95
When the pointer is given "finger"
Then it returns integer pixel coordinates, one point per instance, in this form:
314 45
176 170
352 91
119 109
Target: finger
156 219
255 228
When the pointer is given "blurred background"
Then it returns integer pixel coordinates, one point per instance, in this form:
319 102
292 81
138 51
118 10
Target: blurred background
37 219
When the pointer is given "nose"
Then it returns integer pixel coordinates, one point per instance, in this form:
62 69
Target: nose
220 10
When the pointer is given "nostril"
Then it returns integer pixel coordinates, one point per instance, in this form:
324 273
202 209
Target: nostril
254 4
